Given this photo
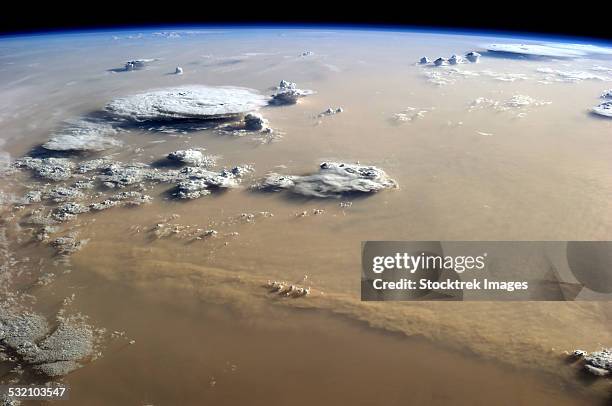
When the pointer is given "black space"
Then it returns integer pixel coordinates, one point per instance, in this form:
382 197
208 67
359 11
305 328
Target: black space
556 19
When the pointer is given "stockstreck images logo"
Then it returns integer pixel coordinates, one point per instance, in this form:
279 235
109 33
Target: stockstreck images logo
498 270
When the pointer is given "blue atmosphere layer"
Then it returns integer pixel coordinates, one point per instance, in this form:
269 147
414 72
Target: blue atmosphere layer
339 27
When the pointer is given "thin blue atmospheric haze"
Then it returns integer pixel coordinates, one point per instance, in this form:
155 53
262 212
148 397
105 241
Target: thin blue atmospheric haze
510 35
